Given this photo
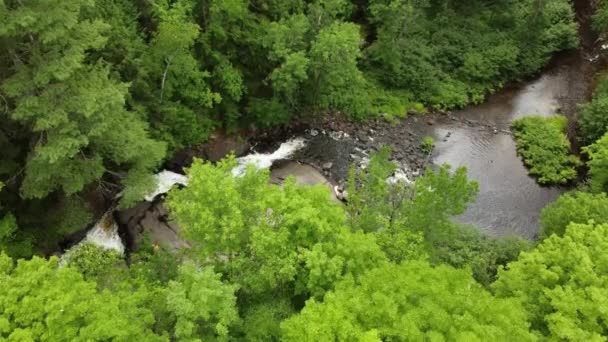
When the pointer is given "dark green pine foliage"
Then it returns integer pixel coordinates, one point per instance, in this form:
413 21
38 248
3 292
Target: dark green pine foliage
68 112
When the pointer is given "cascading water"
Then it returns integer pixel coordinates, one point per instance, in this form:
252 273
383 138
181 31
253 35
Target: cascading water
105 232
165 181
265 160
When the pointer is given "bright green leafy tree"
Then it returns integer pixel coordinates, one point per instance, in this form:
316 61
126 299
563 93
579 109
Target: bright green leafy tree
562 284
409 302
598 164
203 305
41 301
576 207
267 238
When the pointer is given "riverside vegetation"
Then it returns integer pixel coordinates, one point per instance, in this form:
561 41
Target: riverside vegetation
94 95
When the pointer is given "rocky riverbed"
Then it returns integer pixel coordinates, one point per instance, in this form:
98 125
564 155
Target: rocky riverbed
477 137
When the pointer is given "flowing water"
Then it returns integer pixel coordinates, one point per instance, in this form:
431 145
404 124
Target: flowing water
509 200
265 160
105 234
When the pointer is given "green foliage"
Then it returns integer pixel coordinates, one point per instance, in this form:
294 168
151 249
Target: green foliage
467 247
411 301
76 139
262 322
95 263
171 82
203 305
593 116
576 207
12 241
41 301
154 264
268 112
403 212
265 238
598 164
428 144
600 17
562 284
449 54
545 148
339 84
94 92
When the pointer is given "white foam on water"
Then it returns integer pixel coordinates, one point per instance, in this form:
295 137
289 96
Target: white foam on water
265 160
399 177
105 234
165 181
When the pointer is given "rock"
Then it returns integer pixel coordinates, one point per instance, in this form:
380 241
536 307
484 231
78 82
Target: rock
151 219
430 122
222 146
327 165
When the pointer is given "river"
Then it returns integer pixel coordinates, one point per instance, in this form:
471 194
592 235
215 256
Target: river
478 137
509 200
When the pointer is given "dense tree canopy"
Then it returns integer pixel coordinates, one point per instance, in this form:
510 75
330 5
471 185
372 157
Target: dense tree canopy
562 283
577 207
598 164
95 95
411 301
44 302
267 238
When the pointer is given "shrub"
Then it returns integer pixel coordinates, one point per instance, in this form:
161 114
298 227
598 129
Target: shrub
598 164
593 121
545 148
576 207
428 144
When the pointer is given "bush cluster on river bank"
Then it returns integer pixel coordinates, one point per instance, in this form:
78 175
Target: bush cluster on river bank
545 148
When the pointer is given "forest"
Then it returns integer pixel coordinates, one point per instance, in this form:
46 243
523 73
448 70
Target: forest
97 96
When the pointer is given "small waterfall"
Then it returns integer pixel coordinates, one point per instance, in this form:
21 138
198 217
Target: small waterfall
105 234
165 180
264 161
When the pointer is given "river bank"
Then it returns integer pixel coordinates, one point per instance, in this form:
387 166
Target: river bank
477 137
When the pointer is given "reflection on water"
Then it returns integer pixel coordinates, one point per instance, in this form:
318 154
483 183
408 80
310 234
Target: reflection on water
509 200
